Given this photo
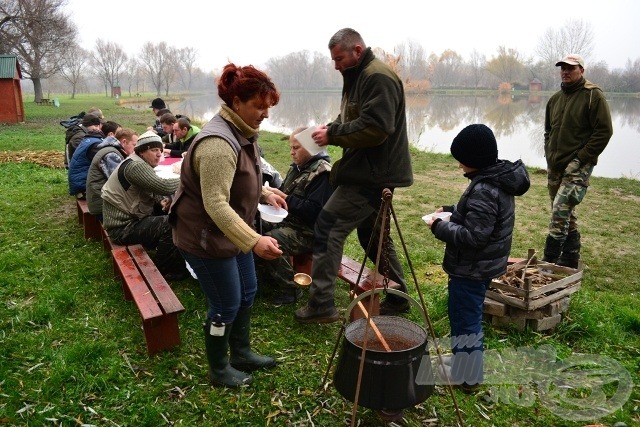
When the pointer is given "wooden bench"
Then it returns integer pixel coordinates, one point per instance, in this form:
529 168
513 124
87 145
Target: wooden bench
143 284
349 270
44 101
90 223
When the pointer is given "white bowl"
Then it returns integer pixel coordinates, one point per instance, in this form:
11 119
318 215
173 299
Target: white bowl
272 213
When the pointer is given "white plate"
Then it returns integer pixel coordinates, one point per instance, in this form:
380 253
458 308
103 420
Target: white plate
442 215
305 139
166 172
272 213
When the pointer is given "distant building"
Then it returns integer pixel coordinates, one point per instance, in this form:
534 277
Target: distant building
11 106
535 85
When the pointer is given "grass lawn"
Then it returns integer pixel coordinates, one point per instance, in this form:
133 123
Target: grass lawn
72 350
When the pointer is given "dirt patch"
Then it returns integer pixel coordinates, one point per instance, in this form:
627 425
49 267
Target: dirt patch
50 159
623 195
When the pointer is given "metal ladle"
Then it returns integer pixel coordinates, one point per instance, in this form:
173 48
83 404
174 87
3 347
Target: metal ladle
304 280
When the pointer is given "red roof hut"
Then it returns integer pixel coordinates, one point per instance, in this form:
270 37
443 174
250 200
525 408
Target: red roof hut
11 106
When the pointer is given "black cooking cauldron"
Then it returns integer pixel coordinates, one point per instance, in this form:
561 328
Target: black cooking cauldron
391 380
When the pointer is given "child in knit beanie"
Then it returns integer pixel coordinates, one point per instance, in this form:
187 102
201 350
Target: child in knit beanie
478 242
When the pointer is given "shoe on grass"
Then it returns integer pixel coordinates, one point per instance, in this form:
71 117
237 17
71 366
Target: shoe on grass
309 314
286 297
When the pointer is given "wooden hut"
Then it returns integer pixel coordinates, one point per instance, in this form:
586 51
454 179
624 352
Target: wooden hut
535 85
11 106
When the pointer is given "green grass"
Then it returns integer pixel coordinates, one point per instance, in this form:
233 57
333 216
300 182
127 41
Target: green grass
72 351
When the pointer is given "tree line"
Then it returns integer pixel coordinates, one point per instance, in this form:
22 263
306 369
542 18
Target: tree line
45 39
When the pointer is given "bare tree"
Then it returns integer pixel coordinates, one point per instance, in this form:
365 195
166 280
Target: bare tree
186 58
171 69
73 67
412 63
130 75
575 36
108 60
301 70
154 61
39 33
631 76
477 64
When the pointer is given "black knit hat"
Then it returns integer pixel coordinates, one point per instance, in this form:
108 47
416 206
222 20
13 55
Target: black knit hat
158 104
475 147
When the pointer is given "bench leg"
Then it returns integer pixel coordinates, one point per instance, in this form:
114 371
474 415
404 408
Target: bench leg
80 213
161 333
92 227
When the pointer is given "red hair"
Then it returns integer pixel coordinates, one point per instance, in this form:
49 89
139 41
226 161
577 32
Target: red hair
246 83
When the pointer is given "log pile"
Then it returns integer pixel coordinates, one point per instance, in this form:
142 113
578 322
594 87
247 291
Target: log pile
531 294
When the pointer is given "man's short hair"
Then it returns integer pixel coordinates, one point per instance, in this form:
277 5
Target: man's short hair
183 123
347 38
162 111
109 127
125 133
168 119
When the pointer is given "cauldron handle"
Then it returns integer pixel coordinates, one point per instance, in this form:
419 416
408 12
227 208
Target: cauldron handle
391 291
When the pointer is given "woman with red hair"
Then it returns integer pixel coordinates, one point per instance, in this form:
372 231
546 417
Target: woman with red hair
213 214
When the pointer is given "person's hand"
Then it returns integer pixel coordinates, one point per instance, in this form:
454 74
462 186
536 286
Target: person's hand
165 203
432 219
166 151
278 192
572 167
267 248
321 136
276 200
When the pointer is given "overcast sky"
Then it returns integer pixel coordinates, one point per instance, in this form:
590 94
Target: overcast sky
251 31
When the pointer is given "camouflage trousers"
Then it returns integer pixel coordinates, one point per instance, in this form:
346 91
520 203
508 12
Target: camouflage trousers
276 276
566 190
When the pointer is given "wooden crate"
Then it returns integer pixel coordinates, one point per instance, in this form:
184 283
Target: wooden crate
528 296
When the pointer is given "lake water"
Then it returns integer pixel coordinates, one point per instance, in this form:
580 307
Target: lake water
434 120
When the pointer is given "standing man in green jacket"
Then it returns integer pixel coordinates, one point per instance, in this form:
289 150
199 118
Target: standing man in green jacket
577 128
372 131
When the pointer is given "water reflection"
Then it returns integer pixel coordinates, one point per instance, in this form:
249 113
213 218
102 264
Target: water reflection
433 121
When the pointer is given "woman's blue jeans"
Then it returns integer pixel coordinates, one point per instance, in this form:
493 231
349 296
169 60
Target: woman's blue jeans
228 283
466 298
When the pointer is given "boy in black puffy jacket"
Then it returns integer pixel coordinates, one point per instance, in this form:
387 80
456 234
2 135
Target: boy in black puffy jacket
478 242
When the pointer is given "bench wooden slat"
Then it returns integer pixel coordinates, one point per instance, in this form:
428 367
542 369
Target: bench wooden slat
134 286
349 270
163 293
161 333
